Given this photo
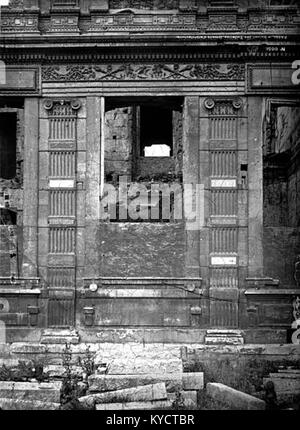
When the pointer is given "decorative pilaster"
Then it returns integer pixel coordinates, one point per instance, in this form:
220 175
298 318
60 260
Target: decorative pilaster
61 198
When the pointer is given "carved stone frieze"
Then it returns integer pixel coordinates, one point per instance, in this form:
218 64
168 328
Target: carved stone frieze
152 72
144 4
127 14
140 22
12 23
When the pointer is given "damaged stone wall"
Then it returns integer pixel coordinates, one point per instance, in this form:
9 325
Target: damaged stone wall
118 143
141 249
11 202
282 196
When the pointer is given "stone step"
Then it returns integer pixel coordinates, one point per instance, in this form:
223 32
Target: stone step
27 405
135 406
44 391
224 337
57 336
144 366
135 394
138 351
102 383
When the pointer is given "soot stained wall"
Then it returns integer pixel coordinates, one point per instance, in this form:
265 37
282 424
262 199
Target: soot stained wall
282 197
141 249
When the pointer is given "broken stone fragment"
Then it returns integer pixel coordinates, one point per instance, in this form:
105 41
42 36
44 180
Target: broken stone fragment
48 392
102 383
135 394
27 405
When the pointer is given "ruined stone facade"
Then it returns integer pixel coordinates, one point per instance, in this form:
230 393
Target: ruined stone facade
89 87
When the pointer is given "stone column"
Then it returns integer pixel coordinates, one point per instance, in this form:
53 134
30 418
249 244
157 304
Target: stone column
191 176
94 176
255 199
30 212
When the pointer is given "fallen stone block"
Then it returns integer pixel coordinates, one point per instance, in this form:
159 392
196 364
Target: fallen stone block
58 371
189 398
137 406
27 405
44 391
102 383
142 366
135 394
232 398
193 381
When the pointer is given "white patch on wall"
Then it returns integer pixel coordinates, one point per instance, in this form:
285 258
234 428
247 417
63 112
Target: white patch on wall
223 183
223 261
61 183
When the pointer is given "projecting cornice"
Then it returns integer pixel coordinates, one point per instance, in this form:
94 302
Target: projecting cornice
162 19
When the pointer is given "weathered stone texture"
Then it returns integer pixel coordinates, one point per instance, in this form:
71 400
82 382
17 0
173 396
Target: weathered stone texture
135 394
48 392
234 399
143 249
101 383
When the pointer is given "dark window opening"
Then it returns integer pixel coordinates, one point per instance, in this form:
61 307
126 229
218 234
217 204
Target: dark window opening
8 137
8 217
281 197
143 147
156 139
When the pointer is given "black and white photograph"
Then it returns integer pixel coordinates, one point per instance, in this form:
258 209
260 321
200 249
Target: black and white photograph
149 208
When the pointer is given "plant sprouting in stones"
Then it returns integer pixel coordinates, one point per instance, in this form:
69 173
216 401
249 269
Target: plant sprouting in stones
87 364
72 385
178 403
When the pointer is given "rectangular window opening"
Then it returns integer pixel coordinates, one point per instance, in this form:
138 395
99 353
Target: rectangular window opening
8 144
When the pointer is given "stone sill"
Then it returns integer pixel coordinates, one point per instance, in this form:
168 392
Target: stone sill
272 292
19 291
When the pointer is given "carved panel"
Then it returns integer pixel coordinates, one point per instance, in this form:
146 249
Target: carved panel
20 24
223 163
61 277
62 203
62 164
224 313
61 240
144 4
223 128
223 240
224 277
224 202
151 72
60 313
